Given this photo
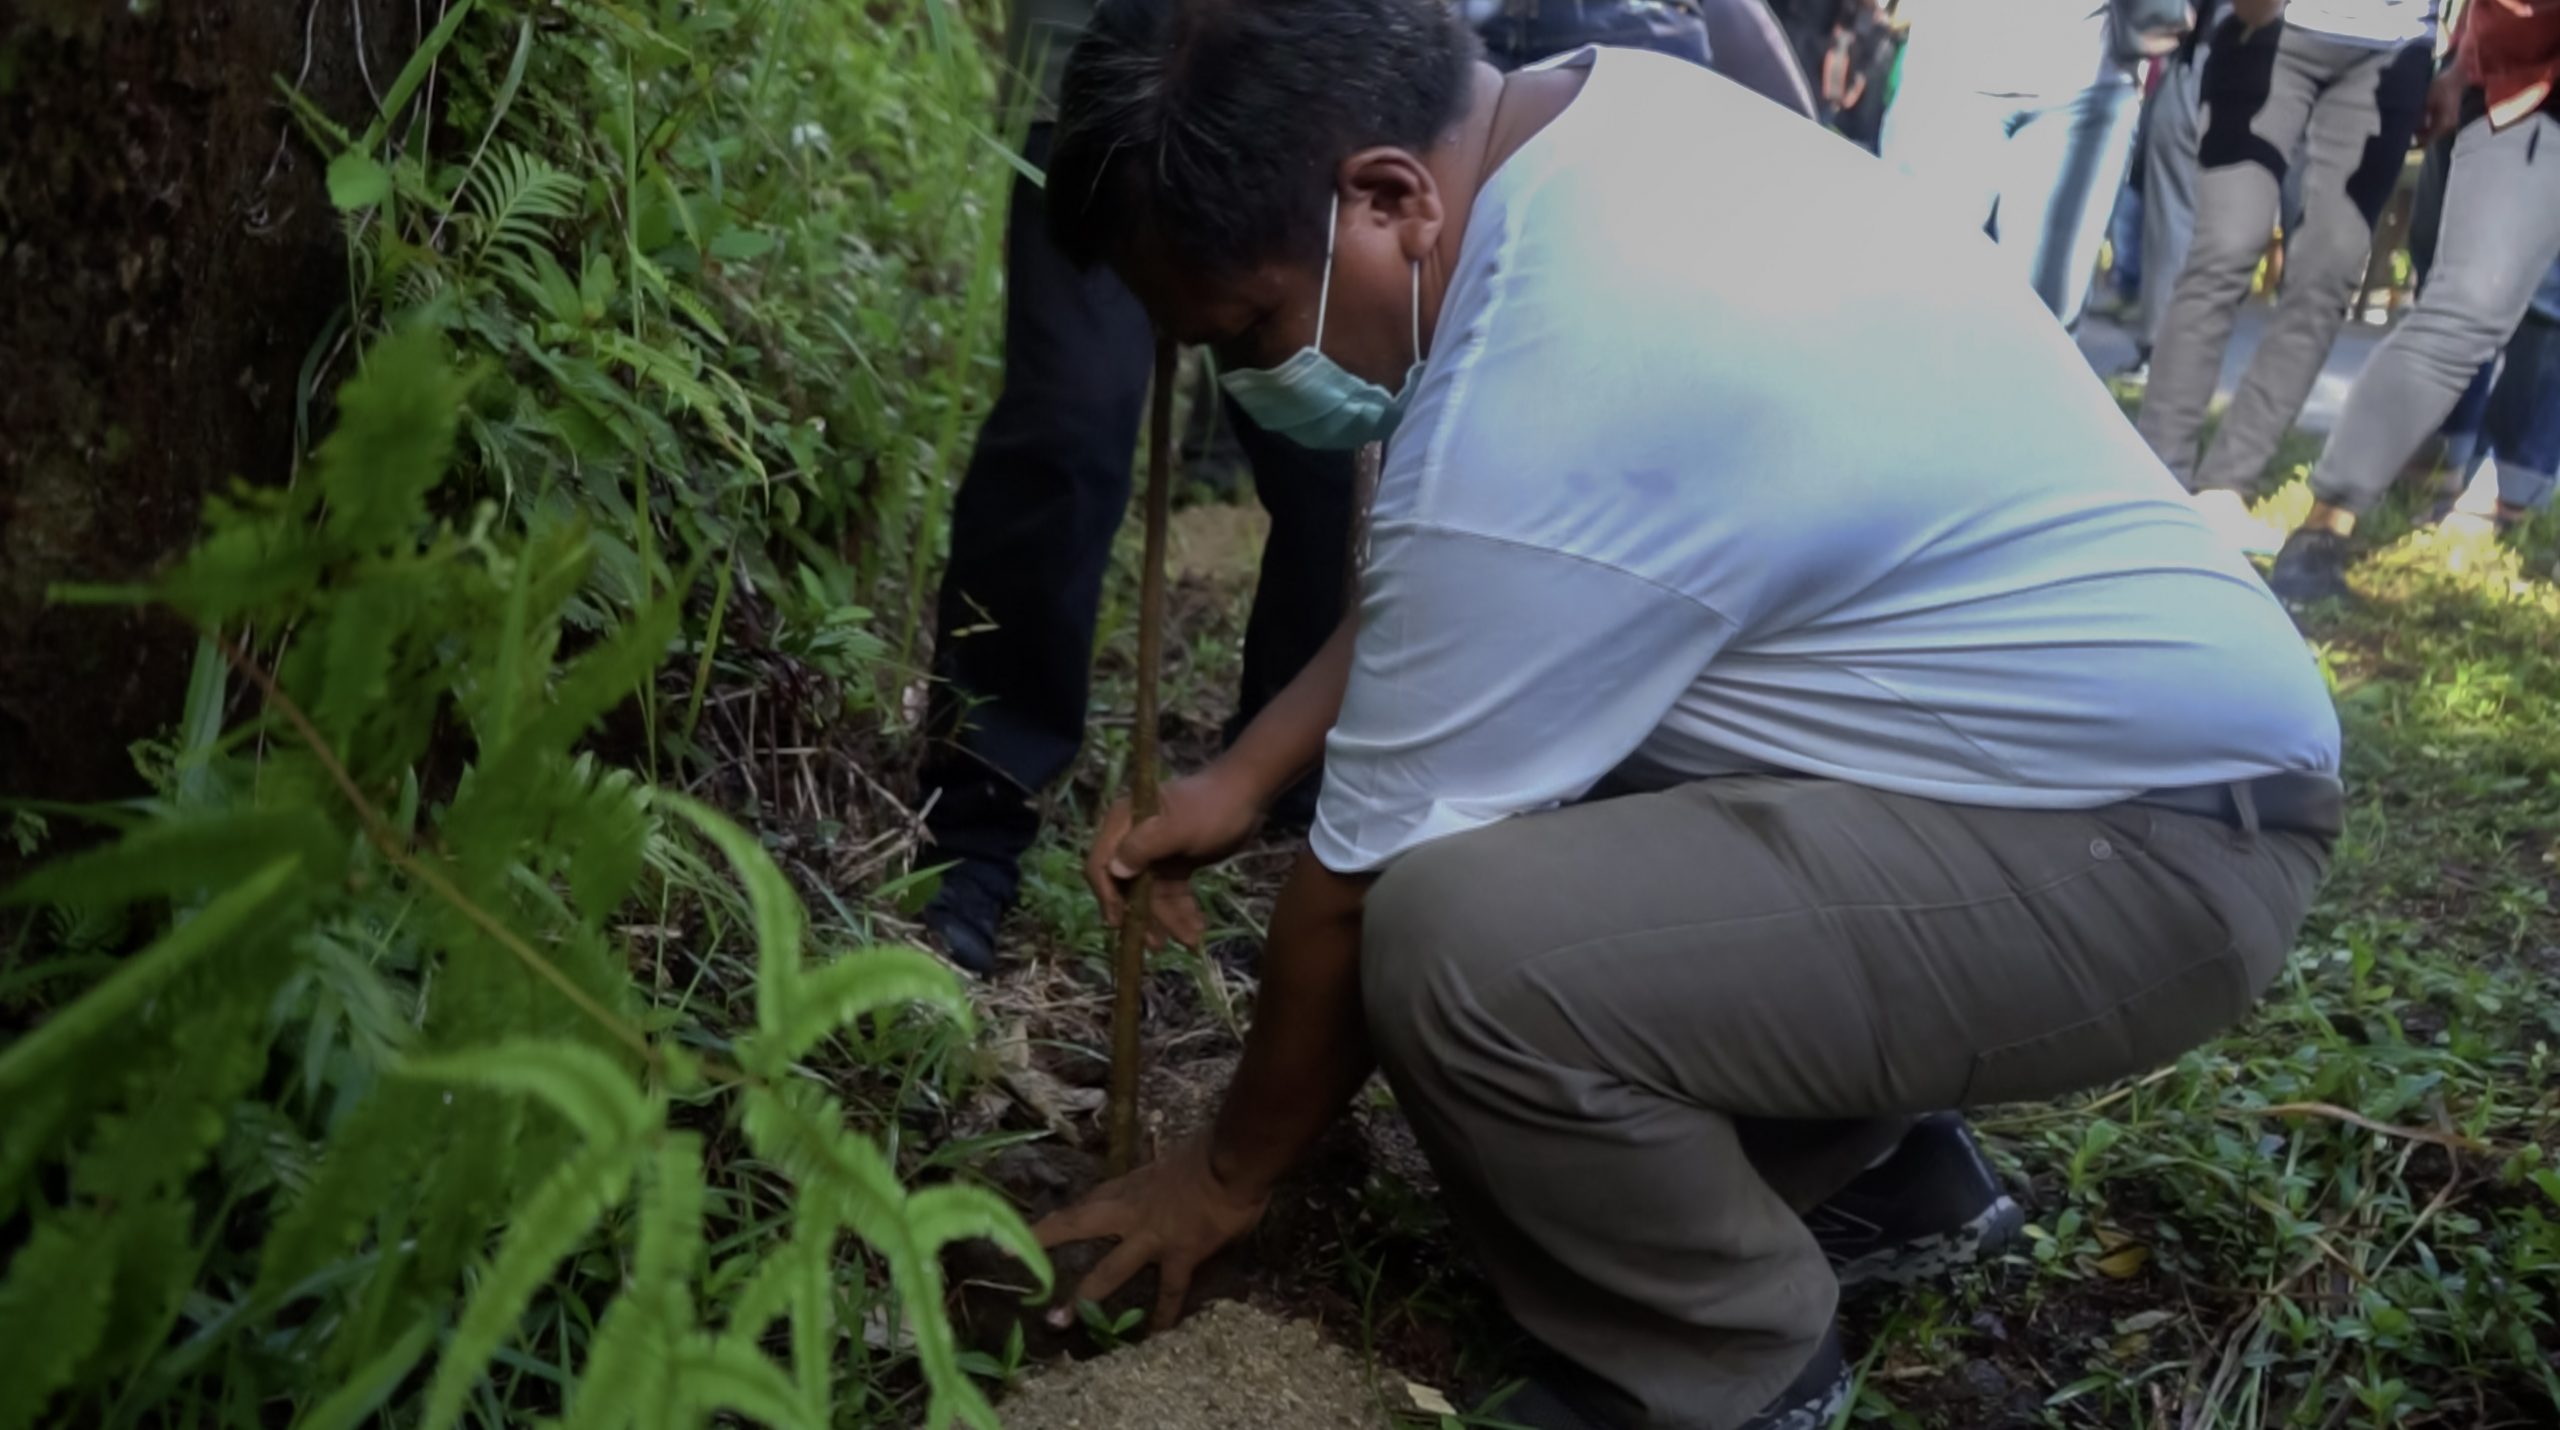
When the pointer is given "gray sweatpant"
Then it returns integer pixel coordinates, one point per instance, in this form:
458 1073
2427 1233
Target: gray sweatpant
2169 189
2353 109
1637 1035
2501 234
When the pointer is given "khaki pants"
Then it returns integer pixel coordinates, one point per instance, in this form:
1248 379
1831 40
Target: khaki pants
1637 1035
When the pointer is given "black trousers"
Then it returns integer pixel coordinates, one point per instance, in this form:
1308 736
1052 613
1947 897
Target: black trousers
1047 486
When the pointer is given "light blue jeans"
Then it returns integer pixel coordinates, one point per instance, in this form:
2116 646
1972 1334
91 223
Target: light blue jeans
2036 162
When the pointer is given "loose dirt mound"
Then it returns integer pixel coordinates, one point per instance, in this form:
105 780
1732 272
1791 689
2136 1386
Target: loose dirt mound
1226 1368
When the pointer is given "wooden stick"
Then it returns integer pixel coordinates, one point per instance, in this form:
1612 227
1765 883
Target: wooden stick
1129 958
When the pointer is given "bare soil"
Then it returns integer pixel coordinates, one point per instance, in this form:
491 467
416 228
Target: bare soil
1231 1365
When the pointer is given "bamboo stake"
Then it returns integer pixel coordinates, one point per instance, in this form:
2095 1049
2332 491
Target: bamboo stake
1129 958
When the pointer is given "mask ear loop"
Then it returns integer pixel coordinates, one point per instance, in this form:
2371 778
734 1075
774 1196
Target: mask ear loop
1417 310
1324 291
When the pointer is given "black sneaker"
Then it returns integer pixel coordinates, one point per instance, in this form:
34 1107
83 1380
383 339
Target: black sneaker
961 917
1810 1402
2311 568
1932 1206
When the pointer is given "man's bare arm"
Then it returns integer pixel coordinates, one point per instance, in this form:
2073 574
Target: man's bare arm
1308 1049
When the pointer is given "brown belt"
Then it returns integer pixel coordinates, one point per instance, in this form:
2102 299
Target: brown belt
2301 802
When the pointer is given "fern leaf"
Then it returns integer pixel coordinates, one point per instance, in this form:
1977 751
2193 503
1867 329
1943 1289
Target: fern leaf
394 440
813 1326
713 1374
172 1123
156 1263
582 1083
511 199
938 1216
53 1309
826 998
98 1011
547 1226
376 1148
778 916
766 1294
355 1402
625 1369
803 1132
177 859
671 1215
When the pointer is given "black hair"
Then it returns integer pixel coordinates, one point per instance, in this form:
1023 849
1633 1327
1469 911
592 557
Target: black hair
1223 122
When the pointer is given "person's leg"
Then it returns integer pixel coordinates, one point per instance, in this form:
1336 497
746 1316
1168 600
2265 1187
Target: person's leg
2063 170
1298 598
1031 527
2254 106
1575 1008
2168 193
2501 234
2358 144
2524 421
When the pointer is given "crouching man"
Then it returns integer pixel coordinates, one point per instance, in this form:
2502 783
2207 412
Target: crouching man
1719 778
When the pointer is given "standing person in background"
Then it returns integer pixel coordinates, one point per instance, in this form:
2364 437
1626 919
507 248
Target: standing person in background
2169 143
2020 114
2350 78
2520 429
1031 529
2501 237
1048 483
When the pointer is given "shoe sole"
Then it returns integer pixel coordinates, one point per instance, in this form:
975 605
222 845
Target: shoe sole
1930 1257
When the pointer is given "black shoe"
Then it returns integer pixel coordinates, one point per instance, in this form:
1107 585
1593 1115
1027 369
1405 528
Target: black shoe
962 915
1932 1206
2311 568
1810 1402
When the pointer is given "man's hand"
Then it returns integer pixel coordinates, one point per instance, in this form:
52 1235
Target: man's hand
1200 820
2444 103
1172 1213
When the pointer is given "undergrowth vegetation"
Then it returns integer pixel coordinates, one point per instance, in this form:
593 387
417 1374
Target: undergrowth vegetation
412 1050
261 1160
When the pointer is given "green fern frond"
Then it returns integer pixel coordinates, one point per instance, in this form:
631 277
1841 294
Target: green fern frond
155 1266
681 298
831 995
258 897
714 1374
180 859
678 380
547 1226
626 1368
513 197
780 922
803 1132
354 1403
374 1152
813 1327
169 1125
53 1309
938 1216
583 1084
670 1247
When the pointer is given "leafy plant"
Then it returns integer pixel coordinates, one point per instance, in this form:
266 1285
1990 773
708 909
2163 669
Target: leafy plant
261 1162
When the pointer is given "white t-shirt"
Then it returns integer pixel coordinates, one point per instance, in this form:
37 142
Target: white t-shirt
2383 24
1731 455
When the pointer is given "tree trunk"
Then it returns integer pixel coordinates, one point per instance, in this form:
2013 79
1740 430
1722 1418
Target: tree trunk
167 258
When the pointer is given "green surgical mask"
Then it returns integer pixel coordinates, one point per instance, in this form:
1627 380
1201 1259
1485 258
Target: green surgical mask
1311 399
